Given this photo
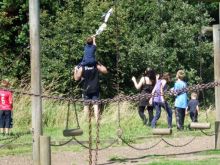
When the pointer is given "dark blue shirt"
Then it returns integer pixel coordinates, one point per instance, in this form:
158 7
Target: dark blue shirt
89 55
193 103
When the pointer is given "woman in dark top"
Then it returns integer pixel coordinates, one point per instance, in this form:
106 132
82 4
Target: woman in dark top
146 85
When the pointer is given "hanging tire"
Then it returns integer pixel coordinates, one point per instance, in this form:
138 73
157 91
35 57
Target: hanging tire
72 132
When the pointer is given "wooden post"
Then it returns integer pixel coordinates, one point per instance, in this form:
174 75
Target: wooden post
45 151
35 78
216 41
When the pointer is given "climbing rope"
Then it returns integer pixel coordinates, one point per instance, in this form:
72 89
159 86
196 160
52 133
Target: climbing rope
97 138
67 115
90 137
76 114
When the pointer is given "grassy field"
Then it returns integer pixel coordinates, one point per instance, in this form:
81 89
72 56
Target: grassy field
203 158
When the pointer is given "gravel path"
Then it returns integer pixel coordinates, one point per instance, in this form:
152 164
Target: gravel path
126 155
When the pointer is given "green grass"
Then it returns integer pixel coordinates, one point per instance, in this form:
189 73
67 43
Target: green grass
203 158
211 161
211 152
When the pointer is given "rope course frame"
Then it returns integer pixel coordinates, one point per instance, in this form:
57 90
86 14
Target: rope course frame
120 98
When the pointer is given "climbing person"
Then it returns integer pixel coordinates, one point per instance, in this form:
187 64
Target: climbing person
91 91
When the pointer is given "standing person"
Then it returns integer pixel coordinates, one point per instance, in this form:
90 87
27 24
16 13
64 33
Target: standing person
193 107
89 53
180 100
146 85
90 76
159 101
6 104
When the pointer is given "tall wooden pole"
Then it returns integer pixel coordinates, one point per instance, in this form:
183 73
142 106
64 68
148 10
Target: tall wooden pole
35 78
216 42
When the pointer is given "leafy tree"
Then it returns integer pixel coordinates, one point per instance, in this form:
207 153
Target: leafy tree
140 34
14 38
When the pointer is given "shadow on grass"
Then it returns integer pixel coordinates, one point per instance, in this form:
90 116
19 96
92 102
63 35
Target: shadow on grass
116 160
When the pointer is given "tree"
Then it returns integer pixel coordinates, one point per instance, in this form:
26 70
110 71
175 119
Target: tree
140 34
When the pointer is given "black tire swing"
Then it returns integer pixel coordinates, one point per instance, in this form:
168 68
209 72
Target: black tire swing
75 131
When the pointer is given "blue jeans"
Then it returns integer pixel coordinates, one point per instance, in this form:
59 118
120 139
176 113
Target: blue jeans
157 106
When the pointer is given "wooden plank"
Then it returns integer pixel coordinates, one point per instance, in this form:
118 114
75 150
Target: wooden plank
194 125
162 131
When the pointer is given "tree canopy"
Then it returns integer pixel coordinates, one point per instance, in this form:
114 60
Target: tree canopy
164 35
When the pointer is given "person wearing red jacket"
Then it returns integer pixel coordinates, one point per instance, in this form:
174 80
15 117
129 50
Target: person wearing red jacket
6 105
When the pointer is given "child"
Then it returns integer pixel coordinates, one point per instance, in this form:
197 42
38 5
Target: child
159 101
180 100
193 107
6 105
89 53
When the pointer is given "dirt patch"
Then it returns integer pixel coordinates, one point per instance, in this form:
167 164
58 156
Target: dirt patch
126 155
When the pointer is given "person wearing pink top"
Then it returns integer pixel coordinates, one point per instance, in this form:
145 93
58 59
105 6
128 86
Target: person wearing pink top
6 105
